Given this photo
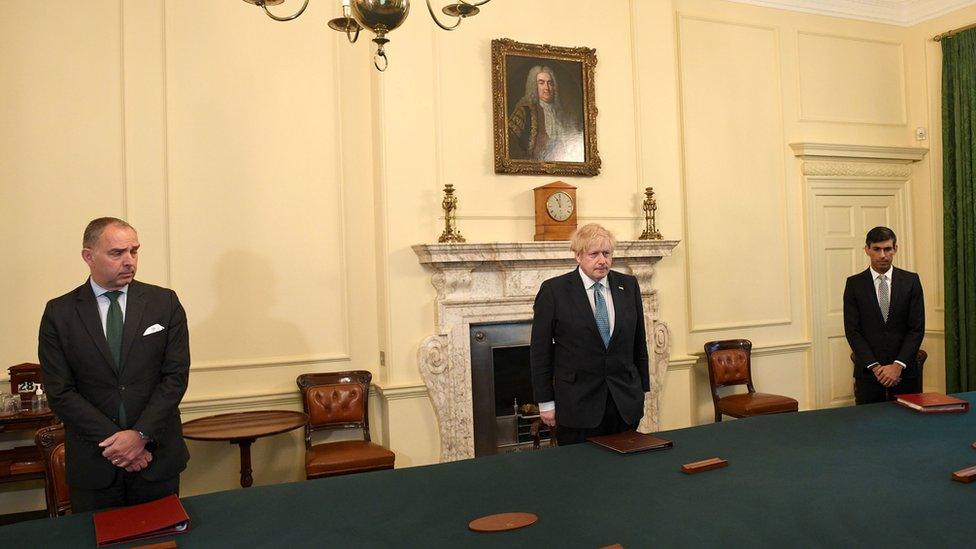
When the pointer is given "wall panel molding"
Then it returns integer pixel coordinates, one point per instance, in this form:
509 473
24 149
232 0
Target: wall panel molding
788 347
257 401
248 363
759 57
402 392
900 119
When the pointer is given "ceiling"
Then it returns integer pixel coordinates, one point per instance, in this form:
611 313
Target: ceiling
895 12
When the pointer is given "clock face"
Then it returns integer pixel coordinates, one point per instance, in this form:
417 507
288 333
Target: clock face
560 206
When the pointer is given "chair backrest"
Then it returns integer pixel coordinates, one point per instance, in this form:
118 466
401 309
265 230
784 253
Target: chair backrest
729 363
336 400
50 440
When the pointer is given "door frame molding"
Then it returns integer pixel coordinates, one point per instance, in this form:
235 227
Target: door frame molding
856 170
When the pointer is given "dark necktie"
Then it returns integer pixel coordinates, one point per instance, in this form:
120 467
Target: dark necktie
113 334
602 318
883 296
113 327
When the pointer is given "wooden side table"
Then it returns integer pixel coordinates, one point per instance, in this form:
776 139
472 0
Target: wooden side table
24 462
243 428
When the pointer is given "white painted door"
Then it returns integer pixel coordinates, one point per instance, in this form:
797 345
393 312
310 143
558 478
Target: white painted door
840 216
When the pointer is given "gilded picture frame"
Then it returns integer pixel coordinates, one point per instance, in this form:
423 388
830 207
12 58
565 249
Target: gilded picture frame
544 109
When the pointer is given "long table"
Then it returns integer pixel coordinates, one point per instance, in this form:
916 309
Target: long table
866 476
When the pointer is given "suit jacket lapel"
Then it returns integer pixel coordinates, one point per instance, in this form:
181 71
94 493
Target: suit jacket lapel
617 292
581 302
135 305
898 286
87 308
872 291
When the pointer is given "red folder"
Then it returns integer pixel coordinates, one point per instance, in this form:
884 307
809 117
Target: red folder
629 442
932 403
147 520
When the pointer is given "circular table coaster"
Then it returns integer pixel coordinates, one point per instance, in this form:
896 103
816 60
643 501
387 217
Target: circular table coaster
502 522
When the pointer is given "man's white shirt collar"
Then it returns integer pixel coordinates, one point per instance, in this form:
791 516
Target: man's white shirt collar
876 274
589 282
99 290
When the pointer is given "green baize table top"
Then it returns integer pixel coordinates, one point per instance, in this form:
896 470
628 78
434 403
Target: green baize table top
865 476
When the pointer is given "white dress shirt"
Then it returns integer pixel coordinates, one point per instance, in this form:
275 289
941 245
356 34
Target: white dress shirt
104 301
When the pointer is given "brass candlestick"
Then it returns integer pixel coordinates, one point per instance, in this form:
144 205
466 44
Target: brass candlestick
650 213
451 233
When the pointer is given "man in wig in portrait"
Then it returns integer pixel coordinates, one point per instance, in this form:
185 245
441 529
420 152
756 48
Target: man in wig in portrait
540 127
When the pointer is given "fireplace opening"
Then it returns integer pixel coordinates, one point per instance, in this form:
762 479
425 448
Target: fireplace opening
505 418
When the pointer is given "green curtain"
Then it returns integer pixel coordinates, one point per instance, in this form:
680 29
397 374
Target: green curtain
959 205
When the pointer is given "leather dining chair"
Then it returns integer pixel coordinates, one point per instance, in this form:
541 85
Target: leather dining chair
339 401
50 440
730 364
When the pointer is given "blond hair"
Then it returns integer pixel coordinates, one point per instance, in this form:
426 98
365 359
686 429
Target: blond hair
591 235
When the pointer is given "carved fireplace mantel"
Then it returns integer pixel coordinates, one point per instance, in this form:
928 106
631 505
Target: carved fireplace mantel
497 282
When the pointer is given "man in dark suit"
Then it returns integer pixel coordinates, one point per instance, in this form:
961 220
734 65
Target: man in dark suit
116 359
589 352
884 320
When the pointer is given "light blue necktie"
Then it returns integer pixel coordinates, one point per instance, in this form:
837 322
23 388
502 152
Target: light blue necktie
602 318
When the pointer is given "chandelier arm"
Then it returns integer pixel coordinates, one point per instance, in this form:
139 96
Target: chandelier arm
386 62
353 37
439 24
475 4
286 18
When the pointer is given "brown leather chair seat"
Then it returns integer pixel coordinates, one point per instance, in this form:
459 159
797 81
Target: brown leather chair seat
347 456
756 404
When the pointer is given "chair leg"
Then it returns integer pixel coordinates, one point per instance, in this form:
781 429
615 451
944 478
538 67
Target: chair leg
718 416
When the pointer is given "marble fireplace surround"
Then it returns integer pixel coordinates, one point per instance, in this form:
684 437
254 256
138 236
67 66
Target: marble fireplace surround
496 283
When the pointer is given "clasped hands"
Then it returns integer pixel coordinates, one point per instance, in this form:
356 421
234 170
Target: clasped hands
888 375
126 449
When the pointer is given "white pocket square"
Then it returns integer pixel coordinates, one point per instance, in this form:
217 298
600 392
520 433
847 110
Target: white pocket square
153 329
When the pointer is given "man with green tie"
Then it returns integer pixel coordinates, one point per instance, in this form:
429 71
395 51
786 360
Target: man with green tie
116 359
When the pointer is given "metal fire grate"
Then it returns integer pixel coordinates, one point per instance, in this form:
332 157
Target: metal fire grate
515 431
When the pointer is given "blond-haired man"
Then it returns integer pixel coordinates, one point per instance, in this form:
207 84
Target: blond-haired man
589 349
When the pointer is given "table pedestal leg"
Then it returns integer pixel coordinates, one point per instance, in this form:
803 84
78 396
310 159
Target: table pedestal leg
246 478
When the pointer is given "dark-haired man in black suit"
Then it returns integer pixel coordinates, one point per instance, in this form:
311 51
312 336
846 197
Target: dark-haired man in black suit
884 321
589 352
116 360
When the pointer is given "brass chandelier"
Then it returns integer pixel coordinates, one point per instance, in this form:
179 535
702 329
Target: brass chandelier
380 17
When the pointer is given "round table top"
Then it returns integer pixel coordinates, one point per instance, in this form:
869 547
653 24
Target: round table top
243 425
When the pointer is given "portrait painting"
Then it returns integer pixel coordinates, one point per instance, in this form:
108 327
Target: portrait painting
544 110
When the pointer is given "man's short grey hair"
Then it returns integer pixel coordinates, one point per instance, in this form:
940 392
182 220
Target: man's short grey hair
95 228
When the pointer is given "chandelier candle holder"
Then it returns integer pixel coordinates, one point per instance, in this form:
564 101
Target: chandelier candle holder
380 17
650 213
451 233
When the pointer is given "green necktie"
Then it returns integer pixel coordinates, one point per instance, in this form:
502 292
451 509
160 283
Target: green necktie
113 327
113 334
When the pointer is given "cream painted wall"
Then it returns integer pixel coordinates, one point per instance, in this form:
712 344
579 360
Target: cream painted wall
230 145
278 182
